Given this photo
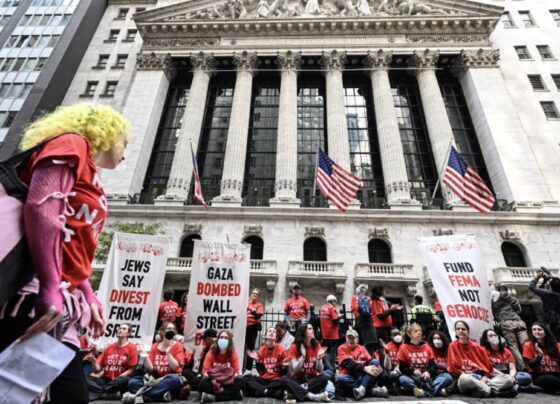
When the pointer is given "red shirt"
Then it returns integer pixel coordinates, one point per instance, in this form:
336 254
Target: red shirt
254 306
272 359
416 356
224 360
500 359
440 359
359 354
168 311
470 357
116 360
182 314
297 308
160 362
437 306
393 350
88 205
310 363
329 328
378 307
548 363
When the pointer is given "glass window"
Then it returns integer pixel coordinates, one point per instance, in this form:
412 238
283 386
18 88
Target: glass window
314 249
122 13
43 41
555 16
35 20
10 116
53 41
102 61
257 246
15 91
536 81
4 87
21 41
12 41
527 19
556 79
32 41
121 60
7 65
507 21
114 34
18 65
130 35
65 19
260 162
110 88
545 52
45 19
522 52
550 109
91 86
57 19
379 251
26 90
40 64
29 65
24 20
187 245
513 256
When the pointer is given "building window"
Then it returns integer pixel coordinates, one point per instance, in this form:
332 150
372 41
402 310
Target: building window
91 86
257 246
110 88
32 41
121 61
187 245
53 41
545 52
40 64
43 41
556 16
45 19
4 87
379 251
365 158
102 61
536 82
113 35
550 109
159 167
24 20
522 52
30 65
527 19
513 256
130 35
12 41
21 41
7 66
260 162
122 14
26 90
15 91
507 21
314 249
556 79
18 65
140 9
9 119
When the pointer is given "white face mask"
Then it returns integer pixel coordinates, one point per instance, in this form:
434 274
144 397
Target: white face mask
494 340
397 339
438 343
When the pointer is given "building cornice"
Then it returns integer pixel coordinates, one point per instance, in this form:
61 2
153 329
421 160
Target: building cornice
131 2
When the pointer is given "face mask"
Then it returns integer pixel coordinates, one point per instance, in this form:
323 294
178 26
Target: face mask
169 334
397 339
494 340
438 343
223 343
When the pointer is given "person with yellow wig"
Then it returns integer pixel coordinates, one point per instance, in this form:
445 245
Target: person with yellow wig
64 213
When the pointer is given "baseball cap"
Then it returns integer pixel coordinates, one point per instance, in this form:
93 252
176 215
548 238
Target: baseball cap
296 285
352 333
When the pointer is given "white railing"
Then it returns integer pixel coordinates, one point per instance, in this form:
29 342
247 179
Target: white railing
316 268
180 264
521 275
384 270
263 267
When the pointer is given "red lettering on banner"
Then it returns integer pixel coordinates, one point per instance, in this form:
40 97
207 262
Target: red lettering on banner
212 289
464 280
468 311
128 296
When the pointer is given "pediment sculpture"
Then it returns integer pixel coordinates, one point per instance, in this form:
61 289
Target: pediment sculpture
271 9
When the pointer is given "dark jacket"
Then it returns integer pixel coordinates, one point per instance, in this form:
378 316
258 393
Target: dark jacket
551 303
506 308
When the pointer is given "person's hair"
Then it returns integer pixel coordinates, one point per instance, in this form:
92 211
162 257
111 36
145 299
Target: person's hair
101 125
549 339
129 327
444 340
300 339
230 349
256 290
554 284
464 323
163 328
281 324
418 299
409 328
168 294
376 292
361 288
502 288
486 344
185 294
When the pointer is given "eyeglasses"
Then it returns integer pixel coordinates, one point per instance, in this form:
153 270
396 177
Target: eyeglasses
226 338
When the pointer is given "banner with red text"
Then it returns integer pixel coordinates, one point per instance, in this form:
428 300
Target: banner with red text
131 286
218 293
460 281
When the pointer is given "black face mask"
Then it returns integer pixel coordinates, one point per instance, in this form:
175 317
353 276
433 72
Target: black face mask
169 334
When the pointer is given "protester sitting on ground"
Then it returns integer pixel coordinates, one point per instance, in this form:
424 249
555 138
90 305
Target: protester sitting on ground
547 288
423 315
382 312
296 309
113 368
166 359
182 313
167 309
193 377
283 336
86 348
255 310
503 361
470 363
439 342
358 372
392 349
420 374
221 371
506 310
270 363
306 366
361 308
542 355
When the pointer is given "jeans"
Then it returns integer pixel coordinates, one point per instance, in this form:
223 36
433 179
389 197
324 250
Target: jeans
523 379
171 382
439 382
515 333
345 383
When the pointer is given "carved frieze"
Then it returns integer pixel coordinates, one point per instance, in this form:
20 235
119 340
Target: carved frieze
252 230
379 232
154 61
180 42
314 231
192 228
475 59
445 38
379 60
508 235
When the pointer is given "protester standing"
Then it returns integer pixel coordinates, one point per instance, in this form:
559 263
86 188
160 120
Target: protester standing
547 288
168 309
361 307
329 328
255 310
382 313
423 315
182 313
296 309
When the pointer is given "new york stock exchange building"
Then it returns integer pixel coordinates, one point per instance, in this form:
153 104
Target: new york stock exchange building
384 87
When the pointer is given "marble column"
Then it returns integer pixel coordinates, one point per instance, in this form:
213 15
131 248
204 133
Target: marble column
508 154
337 126
179 184
397 187
287 141
437 121
238 132
143 109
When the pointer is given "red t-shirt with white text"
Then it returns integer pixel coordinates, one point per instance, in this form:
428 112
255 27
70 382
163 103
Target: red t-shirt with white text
416 356
470 357
548 363
254 306
168 311
378 307
393 350
329 328
160 362
359 354
272 359
228 361
310 363
297 308
116 360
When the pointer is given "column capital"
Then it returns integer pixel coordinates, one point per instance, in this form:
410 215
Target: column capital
379 60
154 61
334 60
426 59
203 62
245 61
289 61
475 59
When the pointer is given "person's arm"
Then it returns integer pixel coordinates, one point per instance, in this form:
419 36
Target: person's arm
535 363
405 368
175 358
538 291
297 363
433 368
127 373
259 312
320 366
351 365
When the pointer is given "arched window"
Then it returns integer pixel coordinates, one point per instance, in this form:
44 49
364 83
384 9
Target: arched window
187 245
314 249
513 255
379 251
256 247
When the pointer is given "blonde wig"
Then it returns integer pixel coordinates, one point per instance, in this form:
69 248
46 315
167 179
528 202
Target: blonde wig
101 125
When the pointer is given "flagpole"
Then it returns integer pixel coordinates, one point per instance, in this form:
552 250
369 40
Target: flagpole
315 177
440 173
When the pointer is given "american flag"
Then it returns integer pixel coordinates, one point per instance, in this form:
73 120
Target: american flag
338 185
197 187
467 184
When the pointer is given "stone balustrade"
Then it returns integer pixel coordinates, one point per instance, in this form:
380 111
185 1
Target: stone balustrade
329 270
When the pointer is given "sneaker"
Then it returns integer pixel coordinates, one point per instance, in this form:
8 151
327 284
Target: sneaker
419 393
359 392
167 397
313 397
380 392
139 400
240 395
247 373
207 398
285 395
324 397
443 392
128 398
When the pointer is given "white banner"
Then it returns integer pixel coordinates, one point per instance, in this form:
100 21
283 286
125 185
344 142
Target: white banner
218 293
459 278
130 289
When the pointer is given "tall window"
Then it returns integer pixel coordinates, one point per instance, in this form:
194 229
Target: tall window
550 110
555 16
556 80
420 166
314 249
513 255
260 164
522 52
536 82
379 251
527 19
157 175
545 52
212 146
187 245
311 134
507 21
365 159
257 246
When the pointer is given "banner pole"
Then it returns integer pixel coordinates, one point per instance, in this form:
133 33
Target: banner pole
445 161
315 177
